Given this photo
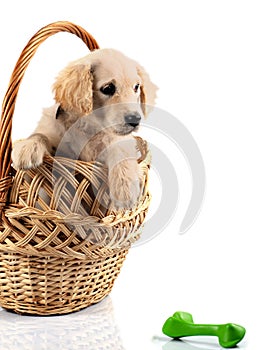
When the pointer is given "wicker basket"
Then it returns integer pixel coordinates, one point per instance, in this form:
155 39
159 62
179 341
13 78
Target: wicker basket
55 258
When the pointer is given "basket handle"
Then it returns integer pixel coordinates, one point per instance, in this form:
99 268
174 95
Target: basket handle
8 105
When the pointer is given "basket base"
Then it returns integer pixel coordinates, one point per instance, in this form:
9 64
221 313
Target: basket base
54 286
40 311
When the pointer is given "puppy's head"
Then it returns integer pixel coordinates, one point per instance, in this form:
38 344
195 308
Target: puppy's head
114 89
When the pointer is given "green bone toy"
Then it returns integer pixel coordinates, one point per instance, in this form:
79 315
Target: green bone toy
181 325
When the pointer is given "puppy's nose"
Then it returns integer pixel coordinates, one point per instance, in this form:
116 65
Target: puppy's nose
132 119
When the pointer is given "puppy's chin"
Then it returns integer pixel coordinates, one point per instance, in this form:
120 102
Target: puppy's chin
124 129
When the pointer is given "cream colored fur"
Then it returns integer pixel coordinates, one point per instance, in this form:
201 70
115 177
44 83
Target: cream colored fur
86 124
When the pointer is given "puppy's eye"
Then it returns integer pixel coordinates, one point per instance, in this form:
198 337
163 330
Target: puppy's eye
136 88
108 89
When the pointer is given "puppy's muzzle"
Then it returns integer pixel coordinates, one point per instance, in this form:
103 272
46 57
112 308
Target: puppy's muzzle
132 119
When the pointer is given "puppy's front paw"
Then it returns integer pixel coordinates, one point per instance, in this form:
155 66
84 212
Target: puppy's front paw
124 189
28 153
125 197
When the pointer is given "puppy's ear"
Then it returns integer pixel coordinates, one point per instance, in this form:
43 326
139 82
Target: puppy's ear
73 88
147 91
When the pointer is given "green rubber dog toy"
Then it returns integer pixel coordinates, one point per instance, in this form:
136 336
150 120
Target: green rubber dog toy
181 325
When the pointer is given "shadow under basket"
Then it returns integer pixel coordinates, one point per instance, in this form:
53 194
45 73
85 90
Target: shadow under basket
61 244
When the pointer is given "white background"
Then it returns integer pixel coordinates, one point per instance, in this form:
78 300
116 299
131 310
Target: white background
204 57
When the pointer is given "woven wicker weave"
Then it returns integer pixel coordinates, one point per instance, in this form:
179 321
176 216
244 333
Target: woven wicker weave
61 246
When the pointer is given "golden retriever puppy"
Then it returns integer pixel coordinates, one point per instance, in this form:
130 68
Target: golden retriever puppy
100 101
